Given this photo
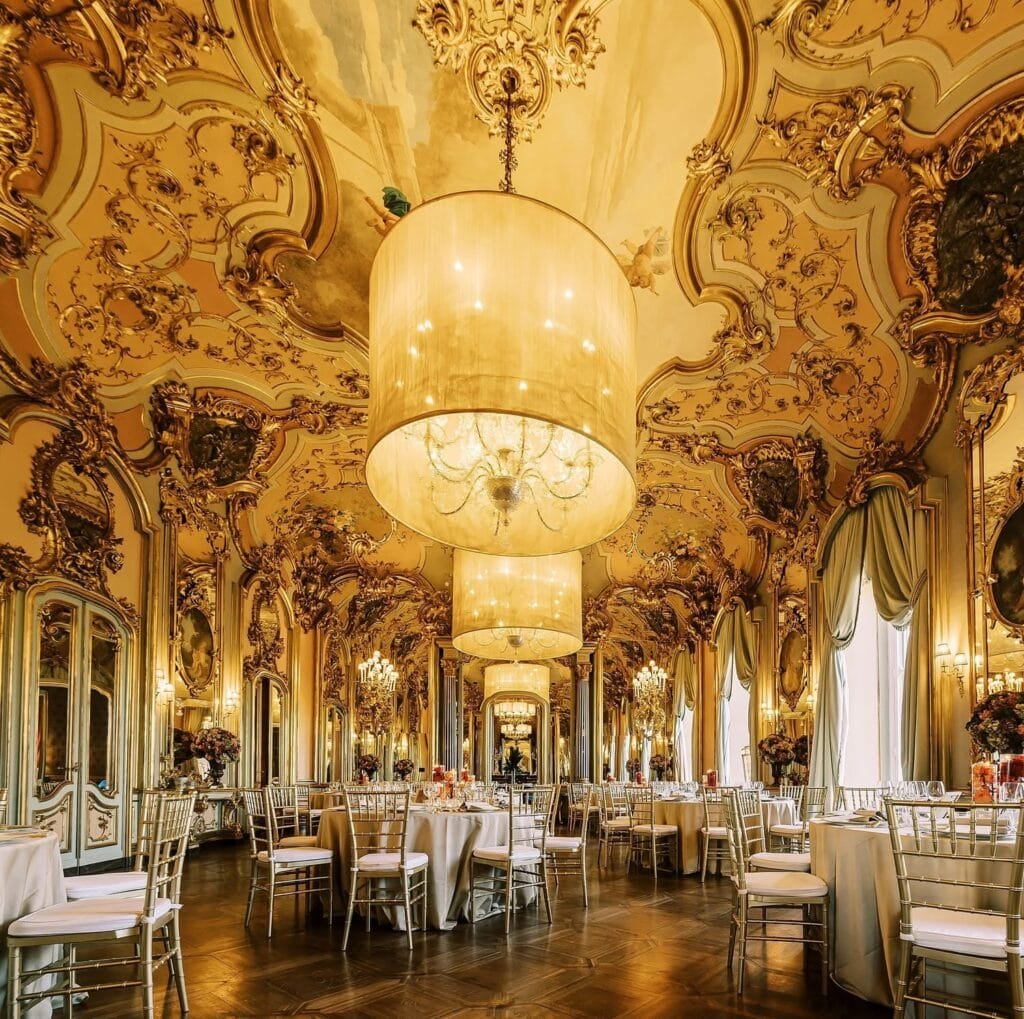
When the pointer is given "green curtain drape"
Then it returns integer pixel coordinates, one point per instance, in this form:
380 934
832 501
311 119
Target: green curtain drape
737 646
840 595
896 560
684 699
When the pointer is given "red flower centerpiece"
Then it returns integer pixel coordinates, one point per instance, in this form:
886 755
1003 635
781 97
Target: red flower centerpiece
218 746
997 728
776 750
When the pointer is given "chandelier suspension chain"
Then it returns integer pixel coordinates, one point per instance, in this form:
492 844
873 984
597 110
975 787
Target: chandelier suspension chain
510 83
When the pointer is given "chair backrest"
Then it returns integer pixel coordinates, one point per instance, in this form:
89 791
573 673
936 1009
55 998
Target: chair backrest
613 801
528 810
735 817
713 817
814 802
302 791
745 761
261 834
377 821
641 804
796 794
147 819
283 803
579 793
851 797
167 845
970 860
3 804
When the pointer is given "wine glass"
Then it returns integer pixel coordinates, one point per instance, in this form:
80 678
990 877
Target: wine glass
935 790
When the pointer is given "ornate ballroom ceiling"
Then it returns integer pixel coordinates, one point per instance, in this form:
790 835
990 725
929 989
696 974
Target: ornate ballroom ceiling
191 199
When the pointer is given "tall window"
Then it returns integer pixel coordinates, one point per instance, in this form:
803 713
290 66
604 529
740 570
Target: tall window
683 740
737 729
874 661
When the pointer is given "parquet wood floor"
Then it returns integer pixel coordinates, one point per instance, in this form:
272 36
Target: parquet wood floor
636 951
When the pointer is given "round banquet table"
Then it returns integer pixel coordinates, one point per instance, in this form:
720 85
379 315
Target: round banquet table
326 800
688 817
30 878
448 838
856 862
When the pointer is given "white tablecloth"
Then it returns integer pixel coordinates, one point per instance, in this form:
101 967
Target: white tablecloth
688 817
857 864
30 878
449 839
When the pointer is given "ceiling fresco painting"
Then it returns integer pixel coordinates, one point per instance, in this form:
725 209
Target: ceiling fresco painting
817 207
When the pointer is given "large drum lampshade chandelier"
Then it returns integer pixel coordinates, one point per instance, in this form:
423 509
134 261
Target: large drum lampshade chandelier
502 377
517 607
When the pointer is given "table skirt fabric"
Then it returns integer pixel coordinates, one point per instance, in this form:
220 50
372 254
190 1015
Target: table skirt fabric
448 839
688 817
30 878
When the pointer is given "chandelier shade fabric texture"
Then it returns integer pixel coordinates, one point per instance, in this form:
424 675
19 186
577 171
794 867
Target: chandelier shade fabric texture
517 607
517 679
502 377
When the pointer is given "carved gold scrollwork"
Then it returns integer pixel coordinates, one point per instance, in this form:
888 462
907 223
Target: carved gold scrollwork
843 142
545 44
881 456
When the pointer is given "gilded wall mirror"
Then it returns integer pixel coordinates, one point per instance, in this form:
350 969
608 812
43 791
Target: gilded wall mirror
195 648
793 667
82 506
1006 569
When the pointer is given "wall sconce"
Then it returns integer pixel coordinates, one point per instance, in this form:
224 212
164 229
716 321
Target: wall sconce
164 688
958 667
231 702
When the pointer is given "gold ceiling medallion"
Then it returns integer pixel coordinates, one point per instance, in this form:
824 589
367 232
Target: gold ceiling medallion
544 43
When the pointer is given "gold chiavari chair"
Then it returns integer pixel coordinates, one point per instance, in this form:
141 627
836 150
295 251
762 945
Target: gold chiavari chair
378 820
567 854
3 804
751 809
285 801
849 797
309 817
760 895
714 837
961 883
581 804
282 871
615 820
647 839
121 882
149 920
523 862
810 802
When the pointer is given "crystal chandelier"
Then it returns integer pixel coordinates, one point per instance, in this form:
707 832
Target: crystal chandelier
375 693
649 686
514 711
502 373
512 607
516 730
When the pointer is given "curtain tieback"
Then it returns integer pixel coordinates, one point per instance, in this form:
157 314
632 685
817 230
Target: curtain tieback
918 588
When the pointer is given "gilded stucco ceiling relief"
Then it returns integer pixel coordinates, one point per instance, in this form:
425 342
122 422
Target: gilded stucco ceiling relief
840 220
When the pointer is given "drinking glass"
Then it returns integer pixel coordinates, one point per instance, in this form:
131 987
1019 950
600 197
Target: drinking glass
935 790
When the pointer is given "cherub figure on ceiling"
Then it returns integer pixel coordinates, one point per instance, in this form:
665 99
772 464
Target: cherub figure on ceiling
646 260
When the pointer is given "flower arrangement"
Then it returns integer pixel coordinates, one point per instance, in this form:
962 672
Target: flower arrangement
632 765
802 750
438 773
997 724
659 762
776 748
217 745
403 767
369 763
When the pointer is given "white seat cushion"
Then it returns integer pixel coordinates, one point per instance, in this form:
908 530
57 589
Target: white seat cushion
793 831
299 855
716 832
780 861
618 822
86 916
392 861
951 930
658 829
299 841
93 886
563 844
520 854
789 884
